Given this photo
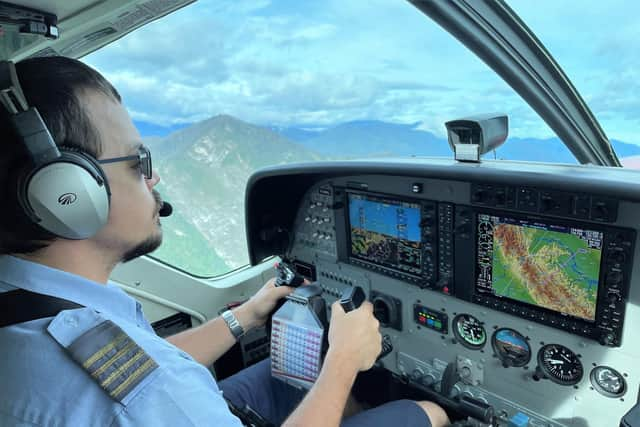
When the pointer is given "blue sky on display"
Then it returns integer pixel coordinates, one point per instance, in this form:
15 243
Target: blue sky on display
280 63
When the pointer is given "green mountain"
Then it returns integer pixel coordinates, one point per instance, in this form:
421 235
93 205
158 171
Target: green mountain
204 170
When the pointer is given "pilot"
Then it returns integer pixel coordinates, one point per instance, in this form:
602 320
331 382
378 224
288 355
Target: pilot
99 362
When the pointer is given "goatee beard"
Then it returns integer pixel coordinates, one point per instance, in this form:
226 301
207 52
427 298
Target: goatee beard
149 245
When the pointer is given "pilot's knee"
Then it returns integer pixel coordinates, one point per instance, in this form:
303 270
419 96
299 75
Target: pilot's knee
436 414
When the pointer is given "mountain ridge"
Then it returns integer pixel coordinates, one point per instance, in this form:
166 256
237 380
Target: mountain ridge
204 169
386 138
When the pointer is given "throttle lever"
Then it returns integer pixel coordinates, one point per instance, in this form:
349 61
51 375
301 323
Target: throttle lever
351 299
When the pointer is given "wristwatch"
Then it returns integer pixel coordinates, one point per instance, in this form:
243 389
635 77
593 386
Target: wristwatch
234 326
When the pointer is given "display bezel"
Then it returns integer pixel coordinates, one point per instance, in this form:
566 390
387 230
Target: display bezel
354 259
550 222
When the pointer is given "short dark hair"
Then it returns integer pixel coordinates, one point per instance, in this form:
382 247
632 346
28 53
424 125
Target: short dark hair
55 86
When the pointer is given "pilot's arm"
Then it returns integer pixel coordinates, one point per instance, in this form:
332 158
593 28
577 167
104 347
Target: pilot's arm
208 342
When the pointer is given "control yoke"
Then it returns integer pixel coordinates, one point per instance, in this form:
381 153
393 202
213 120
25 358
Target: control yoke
299 329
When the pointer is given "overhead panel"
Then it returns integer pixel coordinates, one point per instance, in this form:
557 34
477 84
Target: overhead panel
86 26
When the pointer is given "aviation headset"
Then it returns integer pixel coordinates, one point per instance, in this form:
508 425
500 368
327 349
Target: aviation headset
62 190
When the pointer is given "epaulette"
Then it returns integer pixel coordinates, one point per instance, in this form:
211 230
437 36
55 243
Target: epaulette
112 358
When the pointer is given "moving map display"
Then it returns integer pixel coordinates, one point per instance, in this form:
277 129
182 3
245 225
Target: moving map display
550 266
386 232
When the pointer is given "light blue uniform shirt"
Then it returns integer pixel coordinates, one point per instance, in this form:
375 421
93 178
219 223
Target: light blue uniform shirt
41 384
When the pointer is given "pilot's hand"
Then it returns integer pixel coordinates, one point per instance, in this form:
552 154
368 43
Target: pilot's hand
354 337
257 309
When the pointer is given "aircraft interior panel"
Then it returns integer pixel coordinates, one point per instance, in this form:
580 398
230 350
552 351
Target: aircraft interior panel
495 295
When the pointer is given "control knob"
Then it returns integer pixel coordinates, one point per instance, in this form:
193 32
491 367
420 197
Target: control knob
617 257
417 375
613 297
428 380
614 278
607 338
456 391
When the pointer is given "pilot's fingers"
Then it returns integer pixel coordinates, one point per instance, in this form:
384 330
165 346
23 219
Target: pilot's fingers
366 306
271 283
336 310
282 291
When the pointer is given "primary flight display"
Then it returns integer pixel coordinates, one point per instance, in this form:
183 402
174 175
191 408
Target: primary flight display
386 232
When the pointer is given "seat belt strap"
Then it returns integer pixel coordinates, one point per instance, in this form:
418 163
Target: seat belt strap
20 306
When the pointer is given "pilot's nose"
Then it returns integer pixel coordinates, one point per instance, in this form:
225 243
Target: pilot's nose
155 179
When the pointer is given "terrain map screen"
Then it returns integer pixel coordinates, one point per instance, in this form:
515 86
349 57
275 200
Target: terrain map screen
386 232
550 266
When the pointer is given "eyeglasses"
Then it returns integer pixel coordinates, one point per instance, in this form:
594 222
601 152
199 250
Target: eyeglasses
143 157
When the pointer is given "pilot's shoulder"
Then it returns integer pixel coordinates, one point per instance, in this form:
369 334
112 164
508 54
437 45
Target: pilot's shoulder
112 358
38 357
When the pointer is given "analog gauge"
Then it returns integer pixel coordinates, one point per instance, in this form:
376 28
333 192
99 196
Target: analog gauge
608 381
469 331
511 347
560 364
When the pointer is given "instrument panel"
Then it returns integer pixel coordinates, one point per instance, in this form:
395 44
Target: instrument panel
519 293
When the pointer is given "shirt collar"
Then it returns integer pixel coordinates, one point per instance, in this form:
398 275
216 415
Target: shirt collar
34 277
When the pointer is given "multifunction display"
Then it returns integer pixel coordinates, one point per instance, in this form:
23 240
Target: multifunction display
386 232
550 266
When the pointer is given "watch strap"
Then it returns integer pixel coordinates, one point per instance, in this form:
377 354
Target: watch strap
232 322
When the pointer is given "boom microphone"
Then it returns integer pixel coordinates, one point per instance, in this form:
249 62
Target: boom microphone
165 210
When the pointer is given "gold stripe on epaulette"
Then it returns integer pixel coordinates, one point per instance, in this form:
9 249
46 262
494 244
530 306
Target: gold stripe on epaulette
112 359
122 368
137 373
104 350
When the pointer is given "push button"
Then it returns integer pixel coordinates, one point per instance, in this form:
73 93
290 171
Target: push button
519 420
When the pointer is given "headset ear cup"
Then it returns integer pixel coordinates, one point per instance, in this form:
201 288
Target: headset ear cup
88 161
68 197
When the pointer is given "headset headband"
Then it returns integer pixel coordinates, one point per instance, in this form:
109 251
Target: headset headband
26 120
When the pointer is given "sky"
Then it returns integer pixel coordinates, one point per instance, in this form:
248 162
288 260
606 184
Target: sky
315 64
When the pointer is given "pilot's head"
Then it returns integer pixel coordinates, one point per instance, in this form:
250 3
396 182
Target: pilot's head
82 110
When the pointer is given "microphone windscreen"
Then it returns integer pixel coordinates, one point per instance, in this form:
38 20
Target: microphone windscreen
165 210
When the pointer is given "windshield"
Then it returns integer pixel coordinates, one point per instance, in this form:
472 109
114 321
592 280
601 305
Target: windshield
594 42
220 89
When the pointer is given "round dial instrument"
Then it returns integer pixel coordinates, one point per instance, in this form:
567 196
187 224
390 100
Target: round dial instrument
511 347
608 381
560 364
469 331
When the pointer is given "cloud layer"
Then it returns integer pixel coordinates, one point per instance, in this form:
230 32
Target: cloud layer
277 63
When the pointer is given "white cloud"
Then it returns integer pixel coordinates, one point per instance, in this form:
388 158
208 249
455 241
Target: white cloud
315 32
270 63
